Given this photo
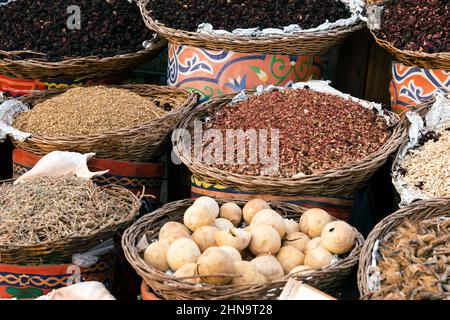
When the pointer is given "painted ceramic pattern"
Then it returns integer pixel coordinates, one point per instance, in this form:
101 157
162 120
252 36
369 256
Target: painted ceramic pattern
212 73
412 85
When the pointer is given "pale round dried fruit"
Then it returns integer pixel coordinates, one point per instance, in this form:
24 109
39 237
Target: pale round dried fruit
318 258
302 270
216 261
249 275
237 238
188 270
210 203
338 237
290 257
155 255
264 240
181 252
204 237
172 231
232 212
223 224
291 226
175 235
297 239
313 220
271 218
268 266
233 252
314 243
198 216
253 207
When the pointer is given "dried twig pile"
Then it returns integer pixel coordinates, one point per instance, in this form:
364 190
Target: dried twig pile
49 209
415 261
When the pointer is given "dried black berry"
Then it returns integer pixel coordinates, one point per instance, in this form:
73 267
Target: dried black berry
232 14
108 27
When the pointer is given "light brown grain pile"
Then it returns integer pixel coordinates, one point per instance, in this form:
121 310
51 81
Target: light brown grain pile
88 110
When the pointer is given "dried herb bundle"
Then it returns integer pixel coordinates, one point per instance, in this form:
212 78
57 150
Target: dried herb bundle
49 209
415 261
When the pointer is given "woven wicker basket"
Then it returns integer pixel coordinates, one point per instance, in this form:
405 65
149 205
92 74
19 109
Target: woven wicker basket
61 251
420 210
412 58
141 143
304 43
328 279
78 69
339 181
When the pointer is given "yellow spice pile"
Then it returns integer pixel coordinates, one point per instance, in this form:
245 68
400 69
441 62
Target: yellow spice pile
428 167
88 110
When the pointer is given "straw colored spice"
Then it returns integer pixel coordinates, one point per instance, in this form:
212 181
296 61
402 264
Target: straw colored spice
428 166
49 209
414 261
89 110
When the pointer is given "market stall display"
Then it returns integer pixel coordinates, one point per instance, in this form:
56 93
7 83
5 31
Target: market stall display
101 123
330 173
212 273
420 170
303 30
405 255
110 43
415 32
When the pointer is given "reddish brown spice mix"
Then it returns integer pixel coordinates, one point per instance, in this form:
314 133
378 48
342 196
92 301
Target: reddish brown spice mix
317 131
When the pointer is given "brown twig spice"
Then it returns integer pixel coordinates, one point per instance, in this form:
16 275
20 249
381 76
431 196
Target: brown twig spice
50 209
414 261
317 131
89 110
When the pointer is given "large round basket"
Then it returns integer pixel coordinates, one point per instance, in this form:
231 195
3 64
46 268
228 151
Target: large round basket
141 143
439 60
61 251
301 43
418 211
339 181
31 65
328 279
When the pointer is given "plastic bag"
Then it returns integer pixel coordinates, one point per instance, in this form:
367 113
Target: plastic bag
89 290
62 163
7 111
89 258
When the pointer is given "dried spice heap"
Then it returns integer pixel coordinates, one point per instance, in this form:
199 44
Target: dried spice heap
108 28
417 25
317 131
414 261
427 167
48 209
233 14
89 110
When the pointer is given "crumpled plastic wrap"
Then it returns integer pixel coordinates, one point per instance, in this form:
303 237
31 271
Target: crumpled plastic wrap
319 86
7 111
356 8
438 117
89 290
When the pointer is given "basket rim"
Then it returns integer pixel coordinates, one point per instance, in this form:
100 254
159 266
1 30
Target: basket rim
440 57
387 224
224 100
187 103
170 209
166 31
104 231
